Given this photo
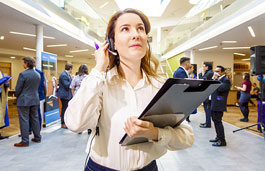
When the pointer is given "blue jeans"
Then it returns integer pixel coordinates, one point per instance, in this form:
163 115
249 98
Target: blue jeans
243 103
207 109
93 166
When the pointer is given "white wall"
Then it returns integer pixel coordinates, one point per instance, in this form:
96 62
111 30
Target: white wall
16 68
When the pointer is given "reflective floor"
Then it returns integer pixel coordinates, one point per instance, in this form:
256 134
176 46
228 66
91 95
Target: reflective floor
61 149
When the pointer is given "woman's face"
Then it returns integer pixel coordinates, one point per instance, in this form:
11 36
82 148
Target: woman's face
130 37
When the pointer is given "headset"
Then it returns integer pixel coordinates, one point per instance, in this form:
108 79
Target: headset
112 50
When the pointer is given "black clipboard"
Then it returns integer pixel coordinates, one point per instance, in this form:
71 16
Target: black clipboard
173 103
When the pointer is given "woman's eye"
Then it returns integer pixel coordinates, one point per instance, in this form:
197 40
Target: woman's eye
141 28
124 29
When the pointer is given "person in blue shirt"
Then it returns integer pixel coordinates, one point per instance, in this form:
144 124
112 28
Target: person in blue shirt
182 71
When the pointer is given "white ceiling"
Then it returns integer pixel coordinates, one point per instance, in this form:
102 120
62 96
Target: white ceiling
241 35
12 20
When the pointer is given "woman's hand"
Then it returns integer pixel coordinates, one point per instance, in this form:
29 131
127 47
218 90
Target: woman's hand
102 57
138 128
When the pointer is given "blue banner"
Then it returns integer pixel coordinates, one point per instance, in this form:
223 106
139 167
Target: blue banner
49 68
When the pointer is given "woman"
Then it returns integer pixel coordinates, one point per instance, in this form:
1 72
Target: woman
244 96
112 99
76 82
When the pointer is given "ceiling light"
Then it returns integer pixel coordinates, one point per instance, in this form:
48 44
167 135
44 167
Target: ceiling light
221 7
69 56
103 5
229 41
212 47
227 48
82 50
31 35
194 2
248 59
240 54
2 37
251 31
13 57
25 48
59 45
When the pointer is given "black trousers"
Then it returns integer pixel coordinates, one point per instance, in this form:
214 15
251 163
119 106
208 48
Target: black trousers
219 128
64 107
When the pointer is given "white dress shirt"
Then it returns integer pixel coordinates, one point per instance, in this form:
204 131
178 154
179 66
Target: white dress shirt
105 101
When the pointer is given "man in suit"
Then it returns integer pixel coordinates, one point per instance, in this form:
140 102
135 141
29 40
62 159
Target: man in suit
27 102
218 105
182 71
208 74
64 91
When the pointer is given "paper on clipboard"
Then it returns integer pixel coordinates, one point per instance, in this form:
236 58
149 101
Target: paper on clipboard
174 102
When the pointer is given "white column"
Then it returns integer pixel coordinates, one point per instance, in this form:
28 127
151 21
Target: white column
192 56
39 45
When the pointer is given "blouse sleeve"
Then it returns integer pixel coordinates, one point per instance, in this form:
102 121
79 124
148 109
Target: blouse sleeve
84 109
177 138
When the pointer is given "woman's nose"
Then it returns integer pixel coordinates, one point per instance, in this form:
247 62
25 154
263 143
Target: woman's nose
135 34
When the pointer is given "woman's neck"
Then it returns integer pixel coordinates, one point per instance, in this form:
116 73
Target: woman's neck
132 72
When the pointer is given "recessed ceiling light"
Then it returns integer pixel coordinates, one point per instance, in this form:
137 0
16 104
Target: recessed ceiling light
194 1
229 41
240 54
248 59
211 47
82 50
25 48
103 5
59 45
69 56
227 48
2 37
251 31
31 35
13 57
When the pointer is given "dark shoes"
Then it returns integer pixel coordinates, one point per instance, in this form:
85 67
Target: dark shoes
34 140
3 137
89 131
219 143
64 126
205 126
244 120
214 140
21 144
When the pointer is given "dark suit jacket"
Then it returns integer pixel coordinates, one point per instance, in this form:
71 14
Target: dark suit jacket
219 96
64 91
27 88
207 75
41 90
180 73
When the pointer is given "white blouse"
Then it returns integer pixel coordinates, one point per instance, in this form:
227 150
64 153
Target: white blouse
105 101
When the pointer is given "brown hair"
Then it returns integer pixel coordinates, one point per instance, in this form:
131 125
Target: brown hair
149 63
29 61
246 76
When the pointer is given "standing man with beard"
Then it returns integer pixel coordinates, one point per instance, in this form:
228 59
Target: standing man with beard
218 105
